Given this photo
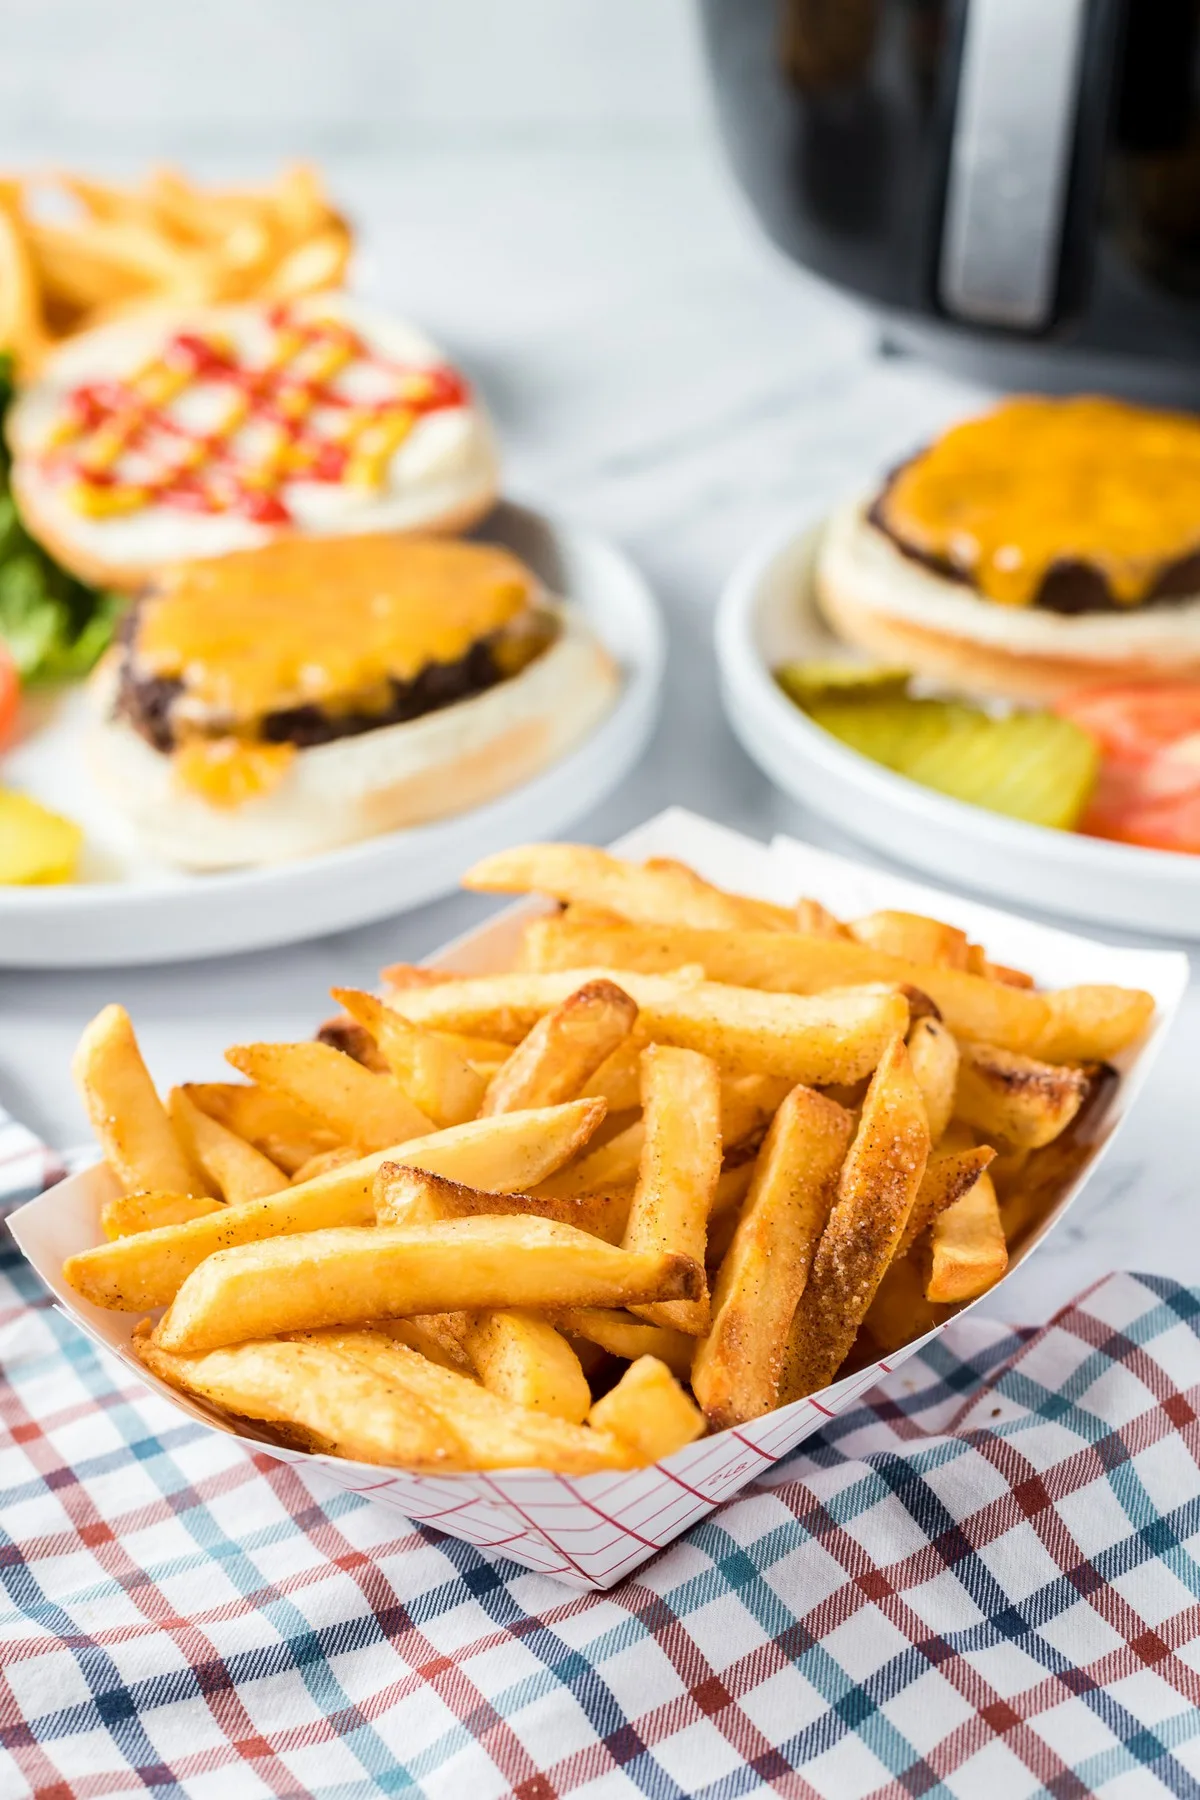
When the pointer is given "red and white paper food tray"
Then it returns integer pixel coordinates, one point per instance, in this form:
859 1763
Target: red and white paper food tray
590 1531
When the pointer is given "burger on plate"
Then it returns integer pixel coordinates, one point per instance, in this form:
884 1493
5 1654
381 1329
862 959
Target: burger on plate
1047 546
281 701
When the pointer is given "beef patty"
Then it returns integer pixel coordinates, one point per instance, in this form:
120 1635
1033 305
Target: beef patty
1068 586
149 702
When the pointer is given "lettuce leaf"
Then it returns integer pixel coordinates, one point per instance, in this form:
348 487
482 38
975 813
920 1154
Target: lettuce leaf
54 626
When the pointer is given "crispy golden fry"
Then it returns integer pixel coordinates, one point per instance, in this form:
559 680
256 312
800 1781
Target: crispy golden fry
405 1196
323 1162
748 1102
1016 1098
141 1272
564 1050
900 1312
934 1055
879 1184
439 1336
947 1178
1088 1024
328 1399
968 1246
349 1276
809 1039
146 1212
1072 1025
482 1053
23 328
136 1136
524 1359
285 1135
435 1075
496 1434
914 937
735 1376
236 1168
817 920
622 1335
658 891
354 1040
368 1111
677 1178
648 1411
618 1080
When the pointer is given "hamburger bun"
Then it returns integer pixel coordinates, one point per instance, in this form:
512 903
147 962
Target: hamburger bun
333 794
442 477
900 611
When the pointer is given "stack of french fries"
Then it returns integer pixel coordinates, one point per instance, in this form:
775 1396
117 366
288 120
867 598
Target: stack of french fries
165 240
692 1157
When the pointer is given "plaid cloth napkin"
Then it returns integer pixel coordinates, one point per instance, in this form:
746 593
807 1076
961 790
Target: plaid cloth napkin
982 1582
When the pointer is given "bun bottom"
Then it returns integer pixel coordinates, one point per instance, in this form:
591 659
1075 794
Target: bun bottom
885 603
360 787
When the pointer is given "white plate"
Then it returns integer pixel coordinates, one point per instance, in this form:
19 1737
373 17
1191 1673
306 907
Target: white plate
129 909
767 614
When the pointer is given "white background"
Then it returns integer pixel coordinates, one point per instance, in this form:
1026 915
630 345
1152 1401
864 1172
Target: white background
537 182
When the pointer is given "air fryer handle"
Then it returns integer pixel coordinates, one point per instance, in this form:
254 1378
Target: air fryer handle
1010 157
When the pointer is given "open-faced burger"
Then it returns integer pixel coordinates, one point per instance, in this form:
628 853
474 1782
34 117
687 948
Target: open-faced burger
1048 545
281 701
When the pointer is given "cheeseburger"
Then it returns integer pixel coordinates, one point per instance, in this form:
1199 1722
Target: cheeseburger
281 701
1049 545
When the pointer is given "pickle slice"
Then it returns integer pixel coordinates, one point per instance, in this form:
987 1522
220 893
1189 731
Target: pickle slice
810 682
1032 765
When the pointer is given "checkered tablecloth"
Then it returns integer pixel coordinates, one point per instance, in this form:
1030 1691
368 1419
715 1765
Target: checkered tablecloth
982 1582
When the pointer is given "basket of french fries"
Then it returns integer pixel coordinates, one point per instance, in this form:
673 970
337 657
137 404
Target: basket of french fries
556 1242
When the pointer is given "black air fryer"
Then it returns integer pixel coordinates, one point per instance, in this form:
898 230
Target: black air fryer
1014 184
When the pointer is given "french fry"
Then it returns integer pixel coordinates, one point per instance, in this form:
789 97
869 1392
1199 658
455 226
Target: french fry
326 1398
677 1177
969 1252
808 1039
658 891
946 1179
648 1411
1071 1025
130 1213
436 1077
238 1171
878 1186
618 1080
817 920
563 1050
1016 1098
22 325
285 1135
748 1102
405 1196
439 1336
495 1433
367 1110
348 1276
735 1376
1088 1024
524 1359
900 1312
934 1055
914 937
323 1162
609 1169
138 1273
354 1040
622 1335
136 1136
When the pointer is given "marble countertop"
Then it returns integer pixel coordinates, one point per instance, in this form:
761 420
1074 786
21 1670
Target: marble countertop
659 375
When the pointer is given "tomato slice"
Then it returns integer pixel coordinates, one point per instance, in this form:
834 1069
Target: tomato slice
1135 720
10 697
1172 824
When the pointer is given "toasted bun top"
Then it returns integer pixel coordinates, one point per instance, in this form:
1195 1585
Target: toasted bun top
1037 486
303 622
198 431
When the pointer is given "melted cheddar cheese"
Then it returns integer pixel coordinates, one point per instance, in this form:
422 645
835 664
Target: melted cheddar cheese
321 621
1039 482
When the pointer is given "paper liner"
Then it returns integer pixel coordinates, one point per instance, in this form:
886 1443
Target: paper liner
590 1530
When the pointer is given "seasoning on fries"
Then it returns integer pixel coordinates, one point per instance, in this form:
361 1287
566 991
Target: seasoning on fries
693 1156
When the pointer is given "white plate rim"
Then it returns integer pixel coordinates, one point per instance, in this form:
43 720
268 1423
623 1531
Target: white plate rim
751 685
